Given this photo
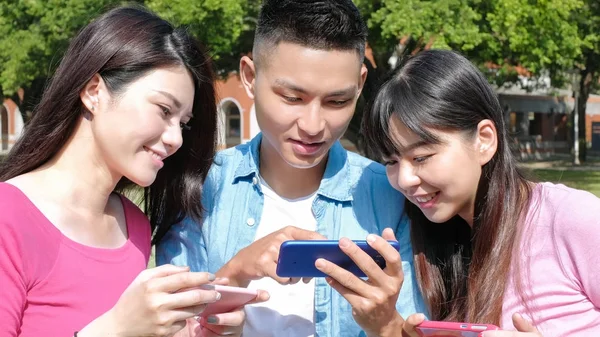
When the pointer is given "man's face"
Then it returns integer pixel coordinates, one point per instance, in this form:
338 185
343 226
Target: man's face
304 100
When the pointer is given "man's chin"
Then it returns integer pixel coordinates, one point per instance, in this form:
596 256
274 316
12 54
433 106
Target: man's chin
303 163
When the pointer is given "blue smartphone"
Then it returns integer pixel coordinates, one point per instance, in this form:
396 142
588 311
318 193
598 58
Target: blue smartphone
297 257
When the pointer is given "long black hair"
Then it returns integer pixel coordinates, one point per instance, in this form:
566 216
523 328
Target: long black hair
121 46
462 272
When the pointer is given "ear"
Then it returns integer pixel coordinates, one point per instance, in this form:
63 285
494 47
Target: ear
486 141
248 75
363 78
90 95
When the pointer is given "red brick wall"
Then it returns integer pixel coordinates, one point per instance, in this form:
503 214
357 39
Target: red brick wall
588 126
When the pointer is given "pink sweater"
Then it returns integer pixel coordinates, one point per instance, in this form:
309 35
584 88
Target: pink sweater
51 285
558 263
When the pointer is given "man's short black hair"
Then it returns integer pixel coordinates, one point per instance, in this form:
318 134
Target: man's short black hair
322 24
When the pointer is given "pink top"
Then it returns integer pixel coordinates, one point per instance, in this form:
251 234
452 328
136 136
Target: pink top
558 263
51 285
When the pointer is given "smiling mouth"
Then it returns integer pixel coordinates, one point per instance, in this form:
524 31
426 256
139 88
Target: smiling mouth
154 154
425 198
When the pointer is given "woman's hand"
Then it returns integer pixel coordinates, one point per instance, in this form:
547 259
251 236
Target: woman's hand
224 324
523 326
157 303
408 326
373 301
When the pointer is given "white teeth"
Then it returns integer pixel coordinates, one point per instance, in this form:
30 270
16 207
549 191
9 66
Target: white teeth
426 198
154 155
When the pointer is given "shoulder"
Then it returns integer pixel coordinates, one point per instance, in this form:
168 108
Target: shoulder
133 213
15 207
226 161
370 175
371 190
233 154
25 233
362 166
574 214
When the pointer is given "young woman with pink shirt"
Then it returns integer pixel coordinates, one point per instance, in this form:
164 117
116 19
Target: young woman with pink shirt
490 246
131 103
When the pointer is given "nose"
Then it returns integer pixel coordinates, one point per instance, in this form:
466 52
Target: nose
406 177
172 138
311 121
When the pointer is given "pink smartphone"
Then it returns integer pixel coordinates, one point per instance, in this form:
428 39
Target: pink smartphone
231 298
452 329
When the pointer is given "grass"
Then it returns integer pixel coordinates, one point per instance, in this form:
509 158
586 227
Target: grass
588 180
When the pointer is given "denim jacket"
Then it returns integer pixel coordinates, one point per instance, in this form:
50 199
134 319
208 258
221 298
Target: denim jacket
353 200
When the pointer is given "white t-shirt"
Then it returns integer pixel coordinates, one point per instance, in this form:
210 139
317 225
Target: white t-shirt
290 310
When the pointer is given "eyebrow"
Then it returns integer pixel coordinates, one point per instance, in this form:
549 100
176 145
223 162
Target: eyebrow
413 146
175 101
168 95
286 84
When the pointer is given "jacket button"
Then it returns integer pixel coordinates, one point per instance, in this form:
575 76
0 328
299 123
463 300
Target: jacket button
250 222
254 181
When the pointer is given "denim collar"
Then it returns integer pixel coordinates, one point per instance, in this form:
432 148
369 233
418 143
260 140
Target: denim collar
335 184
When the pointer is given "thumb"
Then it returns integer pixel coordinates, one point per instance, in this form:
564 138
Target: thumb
388 234
302 234
161 271
523 325
408 329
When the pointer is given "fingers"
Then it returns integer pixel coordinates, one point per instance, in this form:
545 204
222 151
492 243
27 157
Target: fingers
362 259
179 281
410 323
191 298
342 276
521 324
217 330
393 261
346 293
222 281
388 235
226 324
296 233
234 318
262 296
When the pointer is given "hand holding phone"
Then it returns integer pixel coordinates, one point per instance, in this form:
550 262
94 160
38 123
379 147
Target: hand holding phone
297 257
231 299
373 300
259 259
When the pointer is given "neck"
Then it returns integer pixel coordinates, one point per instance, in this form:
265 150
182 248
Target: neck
288 181
78 175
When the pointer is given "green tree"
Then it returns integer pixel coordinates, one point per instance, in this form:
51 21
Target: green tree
225 26
497 35
34 34
588 63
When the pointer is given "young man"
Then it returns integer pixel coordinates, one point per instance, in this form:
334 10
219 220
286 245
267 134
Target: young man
294 180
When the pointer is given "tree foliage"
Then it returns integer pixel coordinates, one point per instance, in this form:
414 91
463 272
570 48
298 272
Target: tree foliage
34 34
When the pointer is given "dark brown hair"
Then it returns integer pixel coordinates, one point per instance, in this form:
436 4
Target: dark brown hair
123 45
320 24
462 272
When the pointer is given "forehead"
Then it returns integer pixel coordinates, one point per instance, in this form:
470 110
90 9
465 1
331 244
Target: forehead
312 69
175 81
400 135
